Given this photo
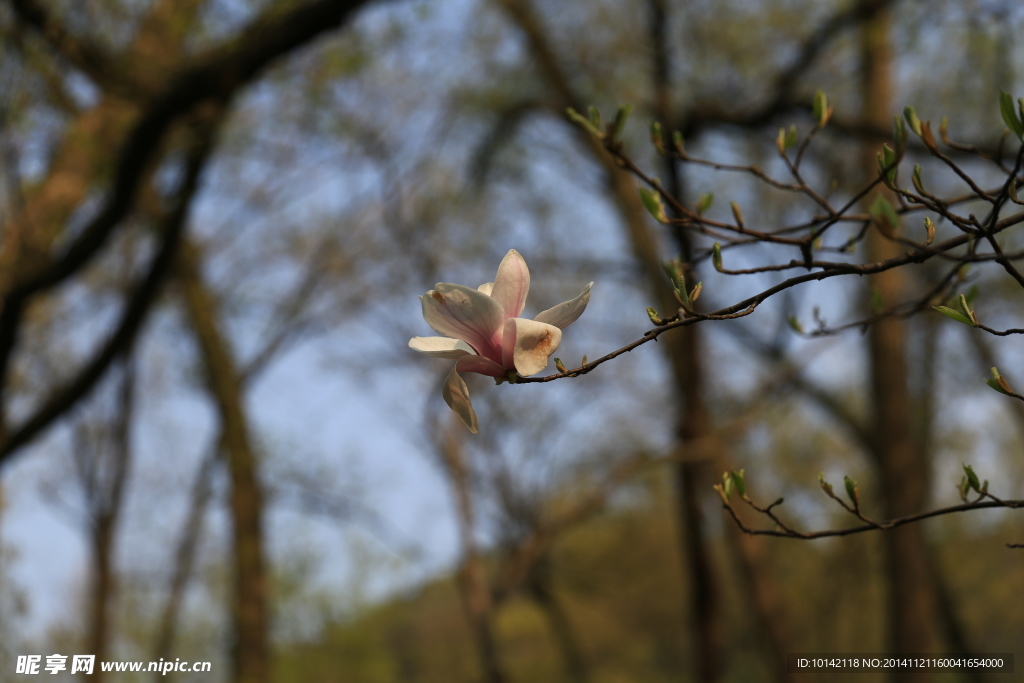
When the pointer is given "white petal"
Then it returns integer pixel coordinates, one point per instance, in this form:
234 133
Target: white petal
456 395
486 288
441 347
566 313
511 284
530 344
467 314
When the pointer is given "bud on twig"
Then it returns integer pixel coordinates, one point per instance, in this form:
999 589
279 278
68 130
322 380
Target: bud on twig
929 228
657 139
652 201
1010 114
620 121
736 214
739 483
825 486
972 478
822 112
852 491
584 123
999 383
704 203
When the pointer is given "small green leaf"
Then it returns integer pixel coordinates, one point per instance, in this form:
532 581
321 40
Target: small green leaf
653 315
795 325
791 137
739 483
916 178
727 483
851 490
825 486
559 366
620 120
716 256
955 315
885 216
1009 113
962 488
912 120
704 203
652 201
595 116
899 134
887 165
999 383
972 477
821 109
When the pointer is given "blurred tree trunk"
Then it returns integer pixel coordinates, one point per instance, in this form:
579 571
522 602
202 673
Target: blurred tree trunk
104 476
704 453
474 588
184 557
902 466
250 650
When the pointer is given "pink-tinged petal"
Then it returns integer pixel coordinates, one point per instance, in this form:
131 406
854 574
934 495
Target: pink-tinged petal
480 365
566 313
467 314
512 284
532 344
456 395
441 347
486 288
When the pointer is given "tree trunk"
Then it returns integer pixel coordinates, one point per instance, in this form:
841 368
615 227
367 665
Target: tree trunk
184 558
250 649
474 588
902 468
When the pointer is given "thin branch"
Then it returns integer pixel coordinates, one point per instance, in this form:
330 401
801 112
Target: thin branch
132 319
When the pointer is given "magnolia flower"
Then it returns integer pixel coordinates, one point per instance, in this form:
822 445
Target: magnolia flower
484 333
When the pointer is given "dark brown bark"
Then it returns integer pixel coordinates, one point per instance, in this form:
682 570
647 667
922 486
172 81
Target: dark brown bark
250 648
902 467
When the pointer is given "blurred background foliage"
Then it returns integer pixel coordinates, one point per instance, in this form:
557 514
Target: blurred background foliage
417 144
